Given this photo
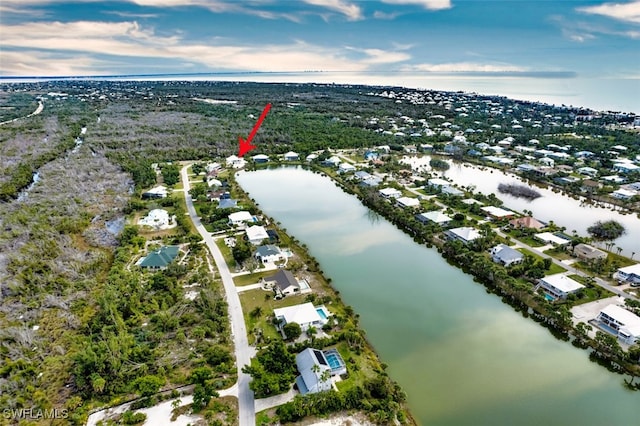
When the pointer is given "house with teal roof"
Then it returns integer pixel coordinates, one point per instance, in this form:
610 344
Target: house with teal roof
159 259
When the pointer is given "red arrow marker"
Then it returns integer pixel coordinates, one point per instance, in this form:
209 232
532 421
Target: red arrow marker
245 145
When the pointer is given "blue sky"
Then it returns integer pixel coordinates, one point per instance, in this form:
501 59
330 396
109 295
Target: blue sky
561 40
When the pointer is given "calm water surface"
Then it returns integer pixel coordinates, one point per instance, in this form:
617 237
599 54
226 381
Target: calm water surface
462 356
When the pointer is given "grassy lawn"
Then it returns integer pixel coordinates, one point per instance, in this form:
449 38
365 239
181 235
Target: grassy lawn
264 299
560 255
591 292
358 371
226 253
249 279
554 269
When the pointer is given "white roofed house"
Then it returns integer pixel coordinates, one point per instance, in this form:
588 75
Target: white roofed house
621 323
291 156
390 193
559 286
465 234
629 274
256 234
407 202
305 315
236 162
240 218
434 216
346 168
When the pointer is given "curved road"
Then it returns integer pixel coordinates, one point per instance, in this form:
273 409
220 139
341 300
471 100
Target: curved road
246 402
37 111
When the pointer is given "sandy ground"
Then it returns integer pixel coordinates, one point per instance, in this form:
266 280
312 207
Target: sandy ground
343 420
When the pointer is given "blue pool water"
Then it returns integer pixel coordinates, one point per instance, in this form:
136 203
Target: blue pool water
333 360
549 298
321 313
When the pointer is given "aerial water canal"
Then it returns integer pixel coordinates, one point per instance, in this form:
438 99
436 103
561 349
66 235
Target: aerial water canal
462 356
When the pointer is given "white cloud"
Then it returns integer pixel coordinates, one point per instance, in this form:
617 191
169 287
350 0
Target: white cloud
379 56
350 10
464 67
36 63
382 15
427 4
64 41
629 12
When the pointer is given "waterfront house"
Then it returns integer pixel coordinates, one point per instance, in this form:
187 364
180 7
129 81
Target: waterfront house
559 286
313 367
361 175
554 239
588 253
227 203
159 259
291 156
623 194
305 315
269 253
346 168
256 234
434 216
629 274
505 255
236 162
526 222
497 213
407 202
260 158
332 162
390 193
284 283
240 218
621 323
311 157
465 234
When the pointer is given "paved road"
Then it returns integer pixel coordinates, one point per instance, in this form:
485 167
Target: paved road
244 352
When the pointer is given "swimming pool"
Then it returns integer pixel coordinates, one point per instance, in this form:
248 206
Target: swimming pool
549 297
334 360
320 312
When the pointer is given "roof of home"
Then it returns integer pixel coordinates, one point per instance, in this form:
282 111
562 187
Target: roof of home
256 232
589 251
633 269
548 237
240 216
629 319
306 362
227 203
506 253
408 201
496 211
291 154
562 283
389 191
527 222
304 313
260 157
268 250
466 233
283 279
160 258
436 216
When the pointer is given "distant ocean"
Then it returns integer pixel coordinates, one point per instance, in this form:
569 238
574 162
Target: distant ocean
601 94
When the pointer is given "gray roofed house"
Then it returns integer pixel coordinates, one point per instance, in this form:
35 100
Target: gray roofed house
465 234
310 381
587 252
435 217
269 253
159 259
505 255
228 203
283 282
